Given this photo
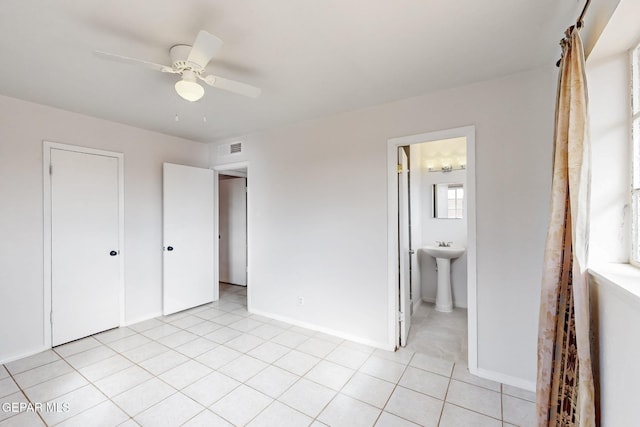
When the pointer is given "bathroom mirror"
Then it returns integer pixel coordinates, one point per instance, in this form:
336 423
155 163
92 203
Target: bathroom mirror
448 200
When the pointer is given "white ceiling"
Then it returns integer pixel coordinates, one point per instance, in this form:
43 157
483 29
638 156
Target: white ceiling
311 58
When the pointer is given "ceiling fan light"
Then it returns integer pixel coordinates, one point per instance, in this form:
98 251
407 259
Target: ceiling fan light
191 91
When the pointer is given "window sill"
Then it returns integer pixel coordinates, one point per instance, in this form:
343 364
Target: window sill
625 277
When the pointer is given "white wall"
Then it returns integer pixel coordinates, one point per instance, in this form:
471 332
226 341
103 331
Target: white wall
23 127
616 315
318 206
447 230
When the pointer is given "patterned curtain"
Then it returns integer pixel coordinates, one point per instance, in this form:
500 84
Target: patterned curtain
565 389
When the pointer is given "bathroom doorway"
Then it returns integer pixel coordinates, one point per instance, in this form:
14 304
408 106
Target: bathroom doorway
438 190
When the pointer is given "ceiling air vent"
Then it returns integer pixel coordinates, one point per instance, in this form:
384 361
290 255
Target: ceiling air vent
229 149
236 147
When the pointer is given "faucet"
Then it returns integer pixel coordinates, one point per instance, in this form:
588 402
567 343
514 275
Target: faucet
443 244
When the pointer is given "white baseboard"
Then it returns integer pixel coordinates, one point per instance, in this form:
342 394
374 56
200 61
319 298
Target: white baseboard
339 334
8 359
504 379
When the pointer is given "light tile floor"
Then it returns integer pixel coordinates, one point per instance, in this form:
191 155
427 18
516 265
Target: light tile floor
218 365
442 335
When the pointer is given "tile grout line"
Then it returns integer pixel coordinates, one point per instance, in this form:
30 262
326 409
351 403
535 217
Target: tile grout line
395 386
446 393
338 392
24 394
502 404
94 386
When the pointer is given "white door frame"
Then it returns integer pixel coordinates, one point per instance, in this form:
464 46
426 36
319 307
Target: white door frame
405 307
228 169
46 161
392 231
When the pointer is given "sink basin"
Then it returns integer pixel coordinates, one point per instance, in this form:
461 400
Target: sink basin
444 252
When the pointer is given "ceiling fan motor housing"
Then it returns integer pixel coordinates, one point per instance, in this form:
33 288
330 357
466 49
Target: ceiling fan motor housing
179 54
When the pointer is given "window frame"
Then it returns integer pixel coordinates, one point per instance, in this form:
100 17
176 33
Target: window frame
634 181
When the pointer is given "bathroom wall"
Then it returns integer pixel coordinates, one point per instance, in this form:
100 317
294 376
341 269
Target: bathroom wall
440 229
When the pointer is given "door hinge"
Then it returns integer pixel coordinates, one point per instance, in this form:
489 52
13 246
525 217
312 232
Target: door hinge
51 317
400 316
50 169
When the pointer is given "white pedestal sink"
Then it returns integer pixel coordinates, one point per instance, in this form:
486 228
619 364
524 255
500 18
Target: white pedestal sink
443 256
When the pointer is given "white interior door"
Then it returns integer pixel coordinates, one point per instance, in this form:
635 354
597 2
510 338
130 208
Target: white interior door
85 269
404 246
233 230
188 234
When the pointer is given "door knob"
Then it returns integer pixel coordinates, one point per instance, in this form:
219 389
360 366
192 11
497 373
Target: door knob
169 248
113 253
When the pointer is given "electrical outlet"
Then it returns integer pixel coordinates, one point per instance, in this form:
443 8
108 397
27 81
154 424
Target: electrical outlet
300 300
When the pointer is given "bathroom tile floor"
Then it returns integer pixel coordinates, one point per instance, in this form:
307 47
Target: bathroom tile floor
218 365
442 335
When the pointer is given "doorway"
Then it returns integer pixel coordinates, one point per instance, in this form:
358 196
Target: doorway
399 308
83 233
232 232
232 222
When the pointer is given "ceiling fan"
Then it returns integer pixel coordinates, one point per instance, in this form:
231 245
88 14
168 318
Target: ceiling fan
190 62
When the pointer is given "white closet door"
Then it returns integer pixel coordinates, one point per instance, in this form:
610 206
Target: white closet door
188 235
85 297
233 230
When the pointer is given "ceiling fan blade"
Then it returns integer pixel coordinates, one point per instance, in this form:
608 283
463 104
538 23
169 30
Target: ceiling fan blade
127 60
203 49
232 86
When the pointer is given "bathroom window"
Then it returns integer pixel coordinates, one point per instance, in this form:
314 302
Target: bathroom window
635 166
455 201
448 200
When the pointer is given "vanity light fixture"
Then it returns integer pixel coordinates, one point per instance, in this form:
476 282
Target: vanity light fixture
444 165
445 168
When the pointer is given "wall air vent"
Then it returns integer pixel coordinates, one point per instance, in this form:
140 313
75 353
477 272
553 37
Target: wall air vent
236 147
230 149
